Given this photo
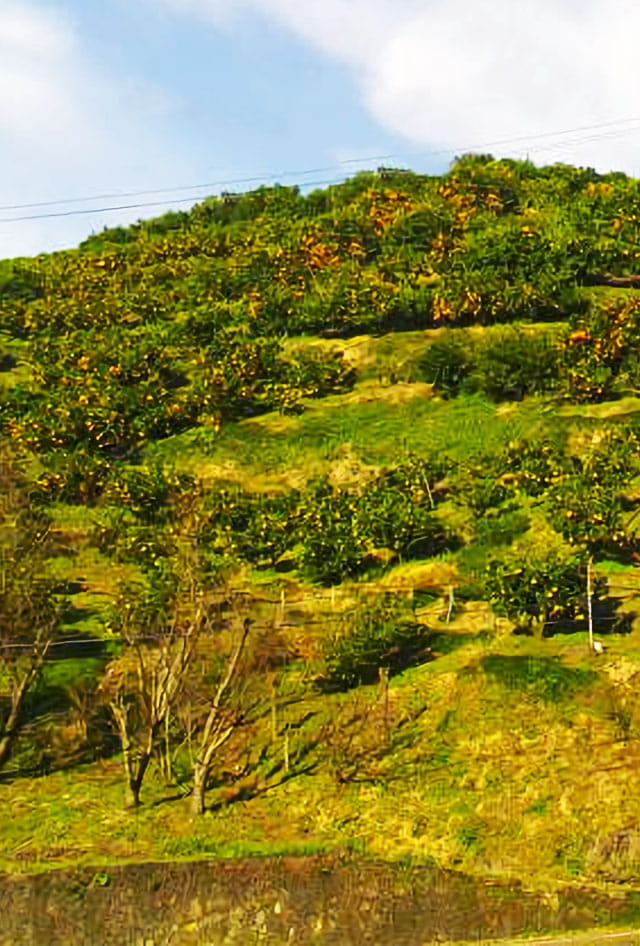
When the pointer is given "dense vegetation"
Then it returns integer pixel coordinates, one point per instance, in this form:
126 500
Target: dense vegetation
126 363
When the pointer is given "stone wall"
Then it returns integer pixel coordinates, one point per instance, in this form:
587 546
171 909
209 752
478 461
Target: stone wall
281 902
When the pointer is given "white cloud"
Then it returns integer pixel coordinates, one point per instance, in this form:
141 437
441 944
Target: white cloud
443 74
67 130
462 73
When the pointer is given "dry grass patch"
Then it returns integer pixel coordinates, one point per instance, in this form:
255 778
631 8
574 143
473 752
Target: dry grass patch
433 575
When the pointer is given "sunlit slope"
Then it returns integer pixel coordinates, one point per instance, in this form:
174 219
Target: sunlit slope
402 402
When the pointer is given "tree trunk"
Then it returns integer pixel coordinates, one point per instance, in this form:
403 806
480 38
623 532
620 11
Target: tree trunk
615 282
131 782
200 774
131 797
10 728
165 754
136 783
217 730
5 747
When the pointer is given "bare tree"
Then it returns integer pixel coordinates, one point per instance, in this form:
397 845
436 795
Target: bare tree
223 715
29 611
142 686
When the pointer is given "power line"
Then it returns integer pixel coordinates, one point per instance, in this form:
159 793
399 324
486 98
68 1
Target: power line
153 203
302 172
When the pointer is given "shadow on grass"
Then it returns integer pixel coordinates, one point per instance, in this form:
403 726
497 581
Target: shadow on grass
606 620
247 783
546 678
249 792
445 642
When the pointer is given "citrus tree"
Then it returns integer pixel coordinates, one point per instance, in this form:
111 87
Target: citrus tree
540 590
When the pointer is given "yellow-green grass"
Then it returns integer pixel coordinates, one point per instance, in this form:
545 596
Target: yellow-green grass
266 451
396 356
496 759
484 766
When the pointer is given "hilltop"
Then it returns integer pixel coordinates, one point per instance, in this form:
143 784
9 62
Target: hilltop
394 423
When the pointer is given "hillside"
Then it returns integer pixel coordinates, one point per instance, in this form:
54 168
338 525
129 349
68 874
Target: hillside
396 425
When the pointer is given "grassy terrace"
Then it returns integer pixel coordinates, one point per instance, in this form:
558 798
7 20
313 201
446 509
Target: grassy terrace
494 755
191 347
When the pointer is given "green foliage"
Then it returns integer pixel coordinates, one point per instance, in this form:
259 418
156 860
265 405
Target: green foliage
586 503
257 527
398 506
514 362
76 476
116 532
589 513
335 537
447 362
341 529
145 605
29 607
492 531
375 636
601 352
176 322
150 492
541 587
507 363
546 678
331 533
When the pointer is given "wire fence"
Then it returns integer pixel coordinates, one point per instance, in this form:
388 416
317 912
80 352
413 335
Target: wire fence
339 604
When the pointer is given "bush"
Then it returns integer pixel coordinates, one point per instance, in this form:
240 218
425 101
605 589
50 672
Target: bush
600 358
542 588
447 362
374 637
397 509
505 364
76 477
335 541
511 362
502 529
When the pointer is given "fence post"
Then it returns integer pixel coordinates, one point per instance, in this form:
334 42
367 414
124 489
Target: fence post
589 607
450 603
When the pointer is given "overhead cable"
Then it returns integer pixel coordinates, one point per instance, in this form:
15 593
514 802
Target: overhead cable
274 176
152 203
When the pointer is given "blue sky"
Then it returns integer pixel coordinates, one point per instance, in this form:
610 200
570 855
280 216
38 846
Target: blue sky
119 96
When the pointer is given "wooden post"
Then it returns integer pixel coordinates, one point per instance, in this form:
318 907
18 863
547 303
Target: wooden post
450 603
271 683
383 683
589 607
167 751
286 747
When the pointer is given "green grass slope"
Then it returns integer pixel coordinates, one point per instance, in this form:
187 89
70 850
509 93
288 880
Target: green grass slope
396 425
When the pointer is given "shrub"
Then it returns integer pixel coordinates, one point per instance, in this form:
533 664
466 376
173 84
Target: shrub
374 637
600 353
511 362
589 513
540 587
506 363
78 477
447 362
398 508
334 538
